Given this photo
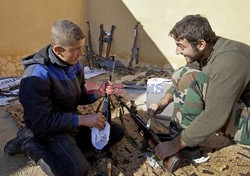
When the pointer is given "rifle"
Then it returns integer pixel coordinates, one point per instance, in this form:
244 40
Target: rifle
89 49
170 163
105 37
135 48
106 111
109 40
106 104
102 33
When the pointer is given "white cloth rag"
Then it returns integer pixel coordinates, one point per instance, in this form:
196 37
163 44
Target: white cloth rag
100 138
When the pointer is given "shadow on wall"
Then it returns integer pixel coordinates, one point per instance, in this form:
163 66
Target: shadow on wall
116 13
108 13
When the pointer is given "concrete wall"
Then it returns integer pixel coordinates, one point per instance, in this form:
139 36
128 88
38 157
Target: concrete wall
118 13
25 28
228 18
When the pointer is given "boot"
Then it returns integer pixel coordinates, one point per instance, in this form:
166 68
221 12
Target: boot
14 146
33 149
45 167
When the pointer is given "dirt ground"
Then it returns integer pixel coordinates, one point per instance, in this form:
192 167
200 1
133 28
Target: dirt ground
126 159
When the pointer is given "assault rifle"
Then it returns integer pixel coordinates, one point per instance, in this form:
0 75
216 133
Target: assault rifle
135 48
170 163
106 104
106 111
89 49
105 37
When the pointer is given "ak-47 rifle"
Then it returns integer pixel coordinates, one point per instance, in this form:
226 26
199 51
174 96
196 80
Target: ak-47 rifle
170 163
109 40
102 34
135 48
89 49
106 104
105 37
106 111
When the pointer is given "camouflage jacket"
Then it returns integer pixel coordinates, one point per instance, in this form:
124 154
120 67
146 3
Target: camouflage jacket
228 68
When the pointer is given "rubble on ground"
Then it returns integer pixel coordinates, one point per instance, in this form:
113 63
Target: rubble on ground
224 158
127 160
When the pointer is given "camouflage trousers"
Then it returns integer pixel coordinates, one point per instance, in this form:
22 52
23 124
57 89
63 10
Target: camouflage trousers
190 87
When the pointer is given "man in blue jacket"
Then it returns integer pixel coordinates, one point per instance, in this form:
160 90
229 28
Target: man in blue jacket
51 88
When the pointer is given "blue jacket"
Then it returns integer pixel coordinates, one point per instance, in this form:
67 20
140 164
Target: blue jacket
50 92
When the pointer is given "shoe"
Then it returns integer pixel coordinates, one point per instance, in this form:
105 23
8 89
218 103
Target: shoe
14 146
190 153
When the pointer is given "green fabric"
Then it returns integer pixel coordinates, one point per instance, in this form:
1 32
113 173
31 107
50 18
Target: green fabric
189 93
190 89
228 68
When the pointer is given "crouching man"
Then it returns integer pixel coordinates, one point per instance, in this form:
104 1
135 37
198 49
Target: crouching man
51 88
210 93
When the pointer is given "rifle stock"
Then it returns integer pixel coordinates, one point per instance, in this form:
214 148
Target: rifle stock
106 37
170 163
135 48
101 40
110 39
89 49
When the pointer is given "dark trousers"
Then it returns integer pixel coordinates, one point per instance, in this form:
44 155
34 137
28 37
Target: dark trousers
64 153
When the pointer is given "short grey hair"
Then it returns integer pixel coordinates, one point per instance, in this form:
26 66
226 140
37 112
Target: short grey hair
64 32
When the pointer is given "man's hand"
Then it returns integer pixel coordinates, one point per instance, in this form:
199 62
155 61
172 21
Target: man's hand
157 108
169 148
92 120
165 149
107 87
154 109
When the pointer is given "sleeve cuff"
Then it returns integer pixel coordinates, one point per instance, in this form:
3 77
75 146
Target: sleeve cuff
186 139
75 120
170 90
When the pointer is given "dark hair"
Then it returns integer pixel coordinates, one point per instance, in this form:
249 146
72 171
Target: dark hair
193 28
64 32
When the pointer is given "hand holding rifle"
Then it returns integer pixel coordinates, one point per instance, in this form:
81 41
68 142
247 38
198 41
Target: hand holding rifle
171 161
154 109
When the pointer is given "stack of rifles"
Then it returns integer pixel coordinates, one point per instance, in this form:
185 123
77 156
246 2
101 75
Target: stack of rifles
106 37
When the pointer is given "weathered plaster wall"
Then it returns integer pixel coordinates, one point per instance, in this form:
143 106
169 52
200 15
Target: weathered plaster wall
228 18
25 28
114 12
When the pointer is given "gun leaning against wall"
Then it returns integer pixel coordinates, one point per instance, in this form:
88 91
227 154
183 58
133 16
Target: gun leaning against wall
135 48
89 49
106 37
170 163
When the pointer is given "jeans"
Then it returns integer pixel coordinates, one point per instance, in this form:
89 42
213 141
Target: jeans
64 153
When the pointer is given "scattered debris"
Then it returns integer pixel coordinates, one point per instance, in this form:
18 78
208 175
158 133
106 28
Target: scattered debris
242 154
152 162
229 160
208 172
9 89
201 160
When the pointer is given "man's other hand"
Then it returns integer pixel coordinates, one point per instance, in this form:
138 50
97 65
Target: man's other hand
107 88
169 148
165 149
154 109
92 120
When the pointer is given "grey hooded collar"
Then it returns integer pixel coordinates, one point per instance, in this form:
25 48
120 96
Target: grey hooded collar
55 60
